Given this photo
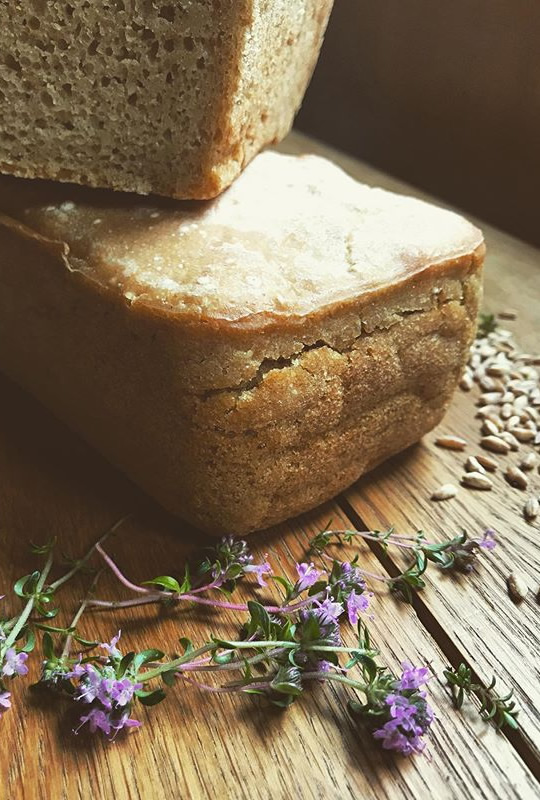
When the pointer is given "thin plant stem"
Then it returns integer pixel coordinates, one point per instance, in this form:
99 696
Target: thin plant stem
232 665
81 563
21 622
372 575
78 615
154 597
158 598
177 662
331 676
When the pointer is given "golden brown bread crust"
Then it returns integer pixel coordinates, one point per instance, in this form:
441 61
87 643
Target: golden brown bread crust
245 359
232 442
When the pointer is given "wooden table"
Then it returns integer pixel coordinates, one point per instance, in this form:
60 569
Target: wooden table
198 746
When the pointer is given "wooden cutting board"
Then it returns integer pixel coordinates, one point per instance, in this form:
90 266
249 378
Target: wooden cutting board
196 745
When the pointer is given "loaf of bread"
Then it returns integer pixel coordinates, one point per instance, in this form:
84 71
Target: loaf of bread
170 97
242 359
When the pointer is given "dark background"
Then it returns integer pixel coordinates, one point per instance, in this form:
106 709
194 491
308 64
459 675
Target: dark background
442 93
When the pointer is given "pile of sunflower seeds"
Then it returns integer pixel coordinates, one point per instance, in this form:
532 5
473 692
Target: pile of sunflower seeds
509 415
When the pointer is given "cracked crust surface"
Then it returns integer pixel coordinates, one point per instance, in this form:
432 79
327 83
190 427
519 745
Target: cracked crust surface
235 424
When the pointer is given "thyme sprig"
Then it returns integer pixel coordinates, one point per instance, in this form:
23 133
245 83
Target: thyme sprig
280 650
502 710
459 553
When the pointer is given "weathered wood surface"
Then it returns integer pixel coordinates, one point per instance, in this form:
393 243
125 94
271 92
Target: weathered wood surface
198 746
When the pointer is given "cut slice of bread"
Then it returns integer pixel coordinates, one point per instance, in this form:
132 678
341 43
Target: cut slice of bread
169 97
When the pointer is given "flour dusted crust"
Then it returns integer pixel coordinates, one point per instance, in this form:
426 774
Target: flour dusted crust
333 338
171 97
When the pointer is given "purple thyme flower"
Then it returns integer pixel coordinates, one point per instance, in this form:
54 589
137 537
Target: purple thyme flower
260 570
5 702
14 663
356 603
111 647
323 666
97 720
77 671
307 576
122 691
394 739
488 539
125 722
328 612
409 715
94 686
350 576
412 677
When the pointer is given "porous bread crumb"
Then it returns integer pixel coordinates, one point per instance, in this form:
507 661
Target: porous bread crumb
150 96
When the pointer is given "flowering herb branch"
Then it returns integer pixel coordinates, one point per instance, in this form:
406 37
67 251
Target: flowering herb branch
231 561
459 553
17 634
275 658
502 710
281 649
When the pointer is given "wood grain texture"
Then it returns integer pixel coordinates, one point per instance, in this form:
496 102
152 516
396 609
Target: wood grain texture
199 746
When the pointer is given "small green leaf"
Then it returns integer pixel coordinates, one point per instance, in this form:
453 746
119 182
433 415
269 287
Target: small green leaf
186 583
124 664
43 549
26 585
187 644
84 642
30 642
151 698
166 583
48 646
168 677
285 582
145 656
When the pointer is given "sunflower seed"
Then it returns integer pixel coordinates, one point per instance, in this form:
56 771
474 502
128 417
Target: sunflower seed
510 440
473 465
528 462
496 420
518 587
488 463
487 384
487 351
513 422
444 492
491 398
516 478
451 442
522 434
497 370
517 388
495 444
531 509
489 428
507 313
485 411
476 480
466 382
507 411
